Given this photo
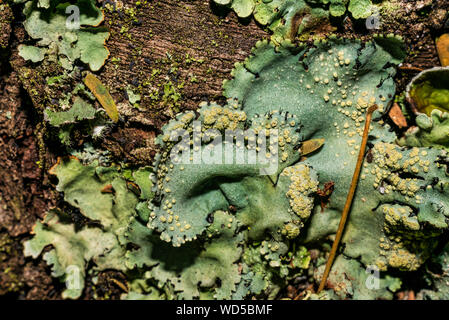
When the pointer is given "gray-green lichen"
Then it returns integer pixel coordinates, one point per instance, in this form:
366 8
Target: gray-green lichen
288 18
174 272
80 110
75 111
63 35
102 196
61 41
337 71
180 213
428 93
429 90
437 273
224 230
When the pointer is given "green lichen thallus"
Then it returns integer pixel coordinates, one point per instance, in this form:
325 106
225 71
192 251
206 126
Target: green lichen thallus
348 203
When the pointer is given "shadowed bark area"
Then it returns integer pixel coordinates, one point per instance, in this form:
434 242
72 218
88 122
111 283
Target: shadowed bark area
175 54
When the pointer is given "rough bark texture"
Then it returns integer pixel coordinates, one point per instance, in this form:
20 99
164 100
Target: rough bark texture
186 46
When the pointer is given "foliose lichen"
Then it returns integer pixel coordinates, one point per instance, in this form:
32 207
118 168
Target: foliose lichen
181 214
337 71
289 18
226 229
61 40
428 94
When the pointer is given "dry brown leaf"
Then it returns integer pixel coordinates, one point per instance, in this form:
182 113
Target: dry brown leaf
397 117
443 49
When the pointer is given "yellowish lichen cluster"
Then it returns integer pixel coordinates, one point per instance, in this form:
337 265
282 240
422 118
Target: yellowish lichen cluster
301 186
395 254
403 259
397 249
389 163
291 230
275 123
400 217
221 118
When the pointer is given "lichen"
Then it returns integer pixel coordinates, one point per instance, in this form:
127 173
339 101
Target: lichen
429 90
181 217
437 273
352 280
428 94
80 110
48 24
102 196
429 131
287 18
75 113
218 227
338 72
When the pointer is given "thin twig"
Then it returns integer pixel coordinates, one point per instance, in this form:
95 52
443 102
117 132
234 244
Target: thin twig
410 68
344 215
120 285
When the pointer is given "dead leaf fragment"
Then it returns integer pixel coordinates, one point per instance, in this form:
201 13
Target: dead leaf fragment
103 96
107 189
120 285
397 116
310 146
443 49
